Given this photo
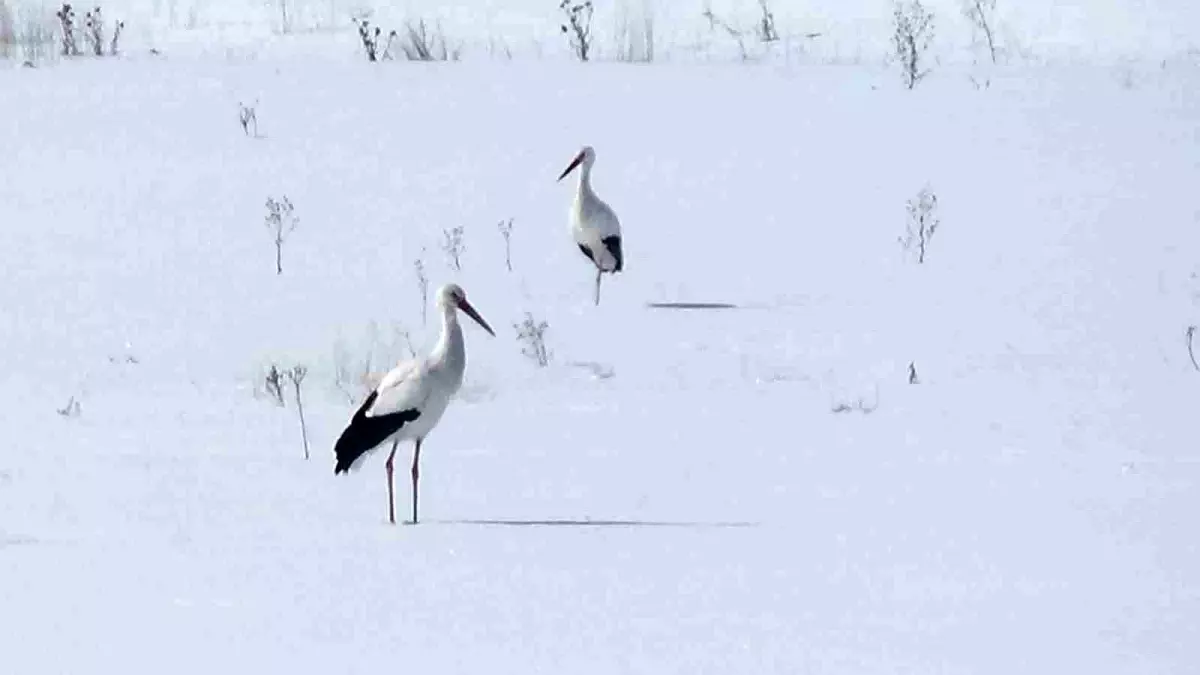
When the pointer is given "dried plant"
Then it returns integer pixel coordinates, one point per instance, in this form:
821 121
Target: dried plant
1191 336
72 408
506 227
420 43
370 40
635 37
8 35
859 404
913 34
766 23
281 221
980 13
532 334
296 375
453 245
578 26
66 22
715 22
273 385
423 289
248 117
922 224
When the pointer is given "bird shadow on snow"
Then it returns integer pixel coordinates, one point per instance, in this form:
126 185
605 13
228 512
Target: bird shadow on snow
565 522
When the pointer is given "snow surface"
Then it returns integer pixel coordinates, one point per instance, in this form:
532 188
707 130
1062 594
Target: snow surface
675 493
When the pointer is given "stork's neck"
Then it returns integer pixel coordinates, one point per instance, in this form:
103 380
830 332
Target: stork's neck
585 183
450 353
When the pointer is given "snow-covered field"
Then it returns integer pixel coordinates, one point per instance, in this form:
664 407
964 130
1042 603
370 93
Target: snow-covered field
756 489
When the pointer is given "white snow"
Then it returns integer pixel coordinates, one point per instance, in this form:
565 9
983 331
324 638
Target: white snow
675 493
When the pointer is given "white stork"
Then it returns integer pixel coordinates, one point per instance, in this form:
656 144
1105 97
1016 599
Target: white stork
593 223
411 398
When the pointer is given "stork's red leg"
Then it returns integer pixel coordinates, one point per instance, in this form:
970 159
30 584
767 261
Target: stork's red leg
416 473
391 498
598 273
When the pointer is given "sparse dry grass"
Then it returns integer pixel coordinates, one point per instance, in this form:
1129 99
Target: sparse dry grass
634 35
8 34
419 41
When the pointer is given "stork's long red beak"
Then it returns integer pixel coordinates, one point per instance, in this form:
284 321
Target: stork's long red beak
570 167
470 311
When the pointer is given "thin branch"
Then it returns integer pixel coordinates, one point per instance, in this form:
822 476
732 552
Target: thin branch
1191 335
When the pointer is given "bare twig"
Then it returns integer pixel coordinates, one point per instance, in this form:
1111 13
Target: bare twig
506 227
281 220
715 22
453 245
423 287
979 13
1191 334
71 409
922 224
66 20
248 116
296 375
273 384
766 24
578 26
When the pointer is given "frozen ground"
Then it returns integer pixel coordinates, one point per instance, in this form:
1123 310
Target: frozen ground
674 493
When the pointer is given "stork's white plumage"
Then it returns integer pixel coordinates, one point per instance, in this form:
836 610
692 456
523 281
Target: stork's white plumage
410 400
594 224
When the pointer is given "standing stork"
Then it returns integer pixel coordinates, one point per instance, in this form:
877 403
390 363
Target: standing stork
411 398
593 223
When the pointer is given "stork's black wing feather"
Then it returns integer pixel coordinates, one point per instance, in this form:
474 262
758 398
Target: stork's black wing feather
587 252
366 432
613 244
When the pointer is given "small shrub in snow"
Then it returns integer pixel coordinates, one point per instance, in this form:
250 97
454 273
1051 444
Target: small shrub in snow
859 405
635 38
36 37
285 24
370 40
1191 338
356 376
423 289
8 34
922 224
979 13
912 373
420 44
281 221
94 34
532 334
72 408
578 26
453 245
913 25
296 375
248 116
715 22
505 227
66 22
766 23
272 384
498 48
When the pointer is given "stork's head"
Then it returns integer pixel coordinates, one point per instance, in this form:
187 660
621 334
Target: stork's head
586 157
452 296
